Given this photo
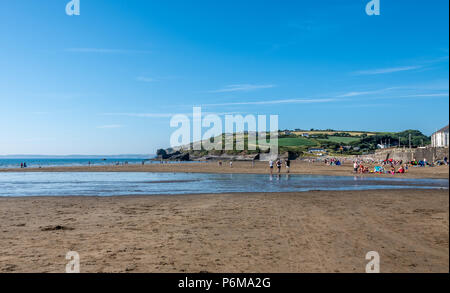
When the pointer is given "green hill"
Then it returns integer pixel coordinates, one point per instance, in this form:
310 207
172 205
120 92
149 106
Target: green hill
334 142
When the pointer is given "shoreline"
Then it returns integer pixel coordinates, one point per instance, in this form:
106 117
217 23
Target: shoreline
315 231
142 196
242 167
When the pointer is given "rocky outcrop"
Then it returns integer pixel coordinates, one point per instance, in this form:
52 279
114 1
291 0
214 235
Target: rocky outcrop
180 155
226 157
175 156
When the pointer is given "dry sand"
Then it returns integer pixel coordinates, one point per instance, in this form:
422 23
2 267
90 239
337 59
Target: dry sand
320 231
297 167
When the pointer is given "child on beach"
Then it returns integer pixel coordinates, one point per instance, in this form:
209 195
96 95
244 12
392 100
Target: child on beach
271 167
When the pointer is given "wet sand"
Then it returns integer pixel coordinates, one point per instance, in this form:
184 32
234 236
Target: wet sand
244 167
319 231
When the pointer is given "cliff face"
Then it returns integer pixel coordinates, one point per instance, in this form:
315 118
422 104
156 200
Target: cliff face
175 156
218 156
226 157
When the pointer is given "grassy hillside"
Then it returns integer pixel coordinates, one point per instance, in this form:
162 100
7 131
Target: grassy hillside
334 142
332 132
342 140
296 141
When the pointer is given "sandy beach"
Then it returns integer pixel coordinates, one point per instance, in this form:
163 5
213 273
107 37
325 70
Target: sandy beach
322 231
224 137
297 167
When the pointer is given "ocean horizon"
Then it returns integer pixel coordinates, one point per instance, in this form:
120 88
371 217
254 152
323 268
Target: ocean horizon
70 161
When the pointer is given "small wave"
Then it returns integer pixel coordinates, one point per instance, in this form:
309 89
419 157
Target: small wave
168 181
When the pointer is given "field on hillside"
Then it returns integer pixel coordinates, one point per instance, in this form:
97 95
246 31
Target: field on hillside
352 133
340 139
296 141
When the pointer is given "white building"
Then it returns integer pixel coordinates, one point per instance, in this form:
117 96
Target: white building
440 138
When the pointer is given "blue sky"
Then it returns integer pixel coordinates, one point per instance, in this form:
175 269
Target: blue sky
108 81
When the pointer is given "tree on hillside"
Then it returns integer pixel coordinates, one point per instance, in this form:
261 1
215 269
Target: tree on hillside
394 139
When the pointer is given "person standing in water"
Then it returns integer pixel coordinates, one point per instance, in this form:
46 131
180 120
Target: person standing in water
279 166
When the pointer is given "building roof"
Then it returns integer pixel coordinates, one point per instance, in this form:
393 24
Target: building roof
445 129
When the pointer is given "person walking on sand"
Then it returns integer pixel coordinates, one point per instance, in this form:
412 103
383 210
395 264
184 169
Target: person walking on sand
21 165
355 166
271 167
231 164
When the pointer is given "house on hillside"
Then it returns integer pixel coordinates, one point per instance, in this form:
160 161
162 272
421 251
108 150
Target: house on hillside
347 147
440 138
317 151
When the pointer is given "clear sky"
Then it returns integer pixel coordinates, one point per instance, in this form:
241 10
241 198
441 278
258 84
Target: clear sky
108 81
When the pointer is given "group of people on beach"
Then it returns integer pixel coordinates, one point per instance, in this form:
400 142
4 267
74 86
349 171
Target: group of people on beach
221 164
23 165
387 167
279 164
272 164
333 162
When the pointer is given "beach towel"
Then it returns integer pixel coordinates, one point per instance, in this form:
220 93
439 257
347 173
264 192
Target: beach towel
378 169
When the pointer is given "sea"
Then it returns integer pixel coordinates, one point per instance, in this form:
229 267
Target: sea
67 162
17 184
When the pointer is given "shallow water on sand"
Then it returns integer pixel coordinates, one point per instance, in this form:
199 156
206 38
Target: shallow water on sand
116 184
